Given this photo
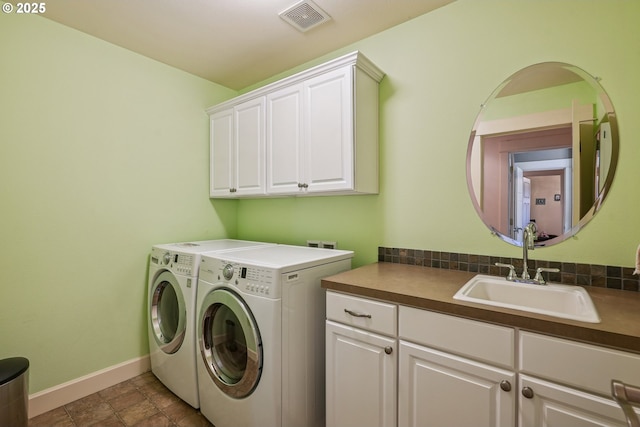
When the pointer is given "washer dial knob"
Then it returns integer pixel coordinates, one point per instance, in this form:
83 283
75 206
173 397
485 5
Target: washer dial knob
166 258
227 271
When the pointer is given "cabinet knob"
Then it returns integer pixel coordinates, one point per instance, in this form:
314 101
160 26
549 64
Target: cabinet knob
505 385
527 392
302 185
388 350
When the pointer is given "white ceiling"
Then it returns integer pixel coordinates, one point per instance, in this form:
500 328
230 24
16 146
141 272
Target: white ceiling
235 43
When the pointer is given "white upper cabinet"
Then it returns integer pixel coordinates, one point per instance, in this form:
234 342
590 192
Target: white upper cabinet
320 134
221 158
249 147
328 131
284 140
237 157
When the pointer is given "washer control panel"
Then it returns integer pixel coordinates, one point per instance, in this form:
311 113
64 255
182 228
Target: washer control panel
178 262
261 281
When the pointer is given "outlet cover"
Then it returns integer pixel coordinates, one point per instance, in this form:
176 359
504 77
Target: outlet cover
314 243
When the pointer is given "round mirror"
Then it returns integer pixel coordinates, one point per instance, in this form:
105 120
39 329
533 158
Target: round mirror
543 149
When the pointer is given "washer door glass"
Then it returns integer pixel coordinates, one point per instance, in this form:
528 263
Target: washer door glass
168 313
230 343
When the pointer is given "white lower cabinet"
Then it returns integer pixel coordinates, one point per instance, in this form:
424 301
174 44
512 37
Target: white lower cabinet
439 382
565 383
361 362
361 378
548 404
440 389
391 365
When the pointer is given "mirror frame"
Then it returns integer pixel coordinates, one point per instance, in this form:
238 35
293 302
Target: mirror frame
609 114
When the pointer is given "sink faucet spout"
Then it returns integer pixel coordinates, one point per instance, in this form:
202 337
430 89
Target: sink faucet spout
528 238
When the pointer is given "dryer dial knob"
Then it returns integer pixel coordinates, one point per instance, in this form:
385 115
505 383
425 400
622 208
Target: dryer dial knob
166 258
227 271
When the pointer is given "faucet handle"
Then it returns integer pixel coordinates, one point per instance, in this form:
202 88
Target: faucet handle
539 278
512 270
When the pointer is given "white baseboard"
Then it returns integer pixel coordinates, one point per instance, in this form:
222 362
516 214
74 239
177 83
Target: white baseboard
51 398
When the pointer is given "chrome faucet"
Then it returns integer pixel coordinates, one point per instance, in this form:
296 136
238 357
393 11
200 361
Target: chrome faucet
528 241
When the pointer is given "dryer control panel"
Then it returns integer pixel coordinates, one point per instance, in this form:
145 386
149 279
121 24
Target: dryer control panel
260 281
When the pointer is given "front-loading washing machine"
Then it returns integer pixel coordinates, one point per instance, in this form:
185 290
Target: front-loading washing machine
261 335
173 279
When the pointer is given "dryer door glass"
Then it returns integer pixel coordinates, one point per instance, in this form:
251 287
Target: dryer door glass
230 343
168 313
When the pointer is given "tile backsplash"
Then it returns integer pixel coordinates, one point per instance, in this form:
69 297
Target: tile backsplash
604 276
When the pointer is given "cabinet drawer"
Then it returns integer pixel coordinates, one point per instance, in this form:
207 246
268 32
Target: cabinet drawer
363 313
576 364
475 340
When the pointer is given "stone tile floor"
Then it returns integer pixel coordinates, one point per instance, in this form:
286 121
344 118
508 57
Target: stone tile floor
140 401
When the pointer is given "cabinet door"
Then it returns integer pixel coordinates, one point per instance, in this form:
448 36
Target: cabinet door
361 378
221 154
438 389
552 405
284 140
249 127
329 131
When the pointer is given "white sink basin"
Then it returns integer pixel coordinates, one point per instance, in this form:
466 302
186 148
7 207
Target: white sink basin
567 302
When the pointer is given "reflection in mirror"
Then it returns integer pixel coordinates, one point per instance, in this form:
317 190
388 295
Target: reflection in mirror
543 149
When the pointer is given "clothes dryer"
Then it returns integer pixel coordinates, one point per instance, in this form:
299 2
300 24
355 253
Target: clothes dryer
172 287
261 335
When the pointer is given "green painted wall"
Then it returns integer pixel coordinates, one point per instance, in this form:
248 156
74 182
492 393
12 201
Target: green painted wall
103 153
440 67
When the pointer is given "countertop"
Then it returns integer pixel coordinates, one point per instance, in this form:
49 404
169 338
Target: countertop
433 289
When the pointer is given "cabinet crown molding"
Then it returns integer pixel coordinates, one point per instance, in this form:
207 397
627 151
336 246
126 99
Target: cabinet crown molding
355 58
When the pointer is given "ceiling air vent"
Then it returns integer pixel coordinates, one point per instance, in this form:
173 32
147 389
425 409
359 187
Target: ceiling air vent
305 15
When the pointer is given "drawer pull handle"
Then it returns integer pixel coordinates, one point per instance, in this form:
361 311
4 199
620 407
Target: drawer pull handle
505 385
626 396
356 314
527 392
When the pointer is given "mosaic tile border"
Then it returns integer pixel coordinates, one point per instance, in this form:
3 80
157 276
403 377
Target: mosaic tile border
602 276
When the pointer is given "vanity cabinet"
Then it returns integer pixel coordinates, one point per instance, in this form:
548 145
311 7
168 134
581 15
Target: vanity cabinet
361 362
317 133
390 364
454 372
567 383
237 156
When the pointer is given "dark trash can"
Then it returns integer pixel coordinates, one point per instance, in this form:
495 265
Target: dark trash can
14 392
